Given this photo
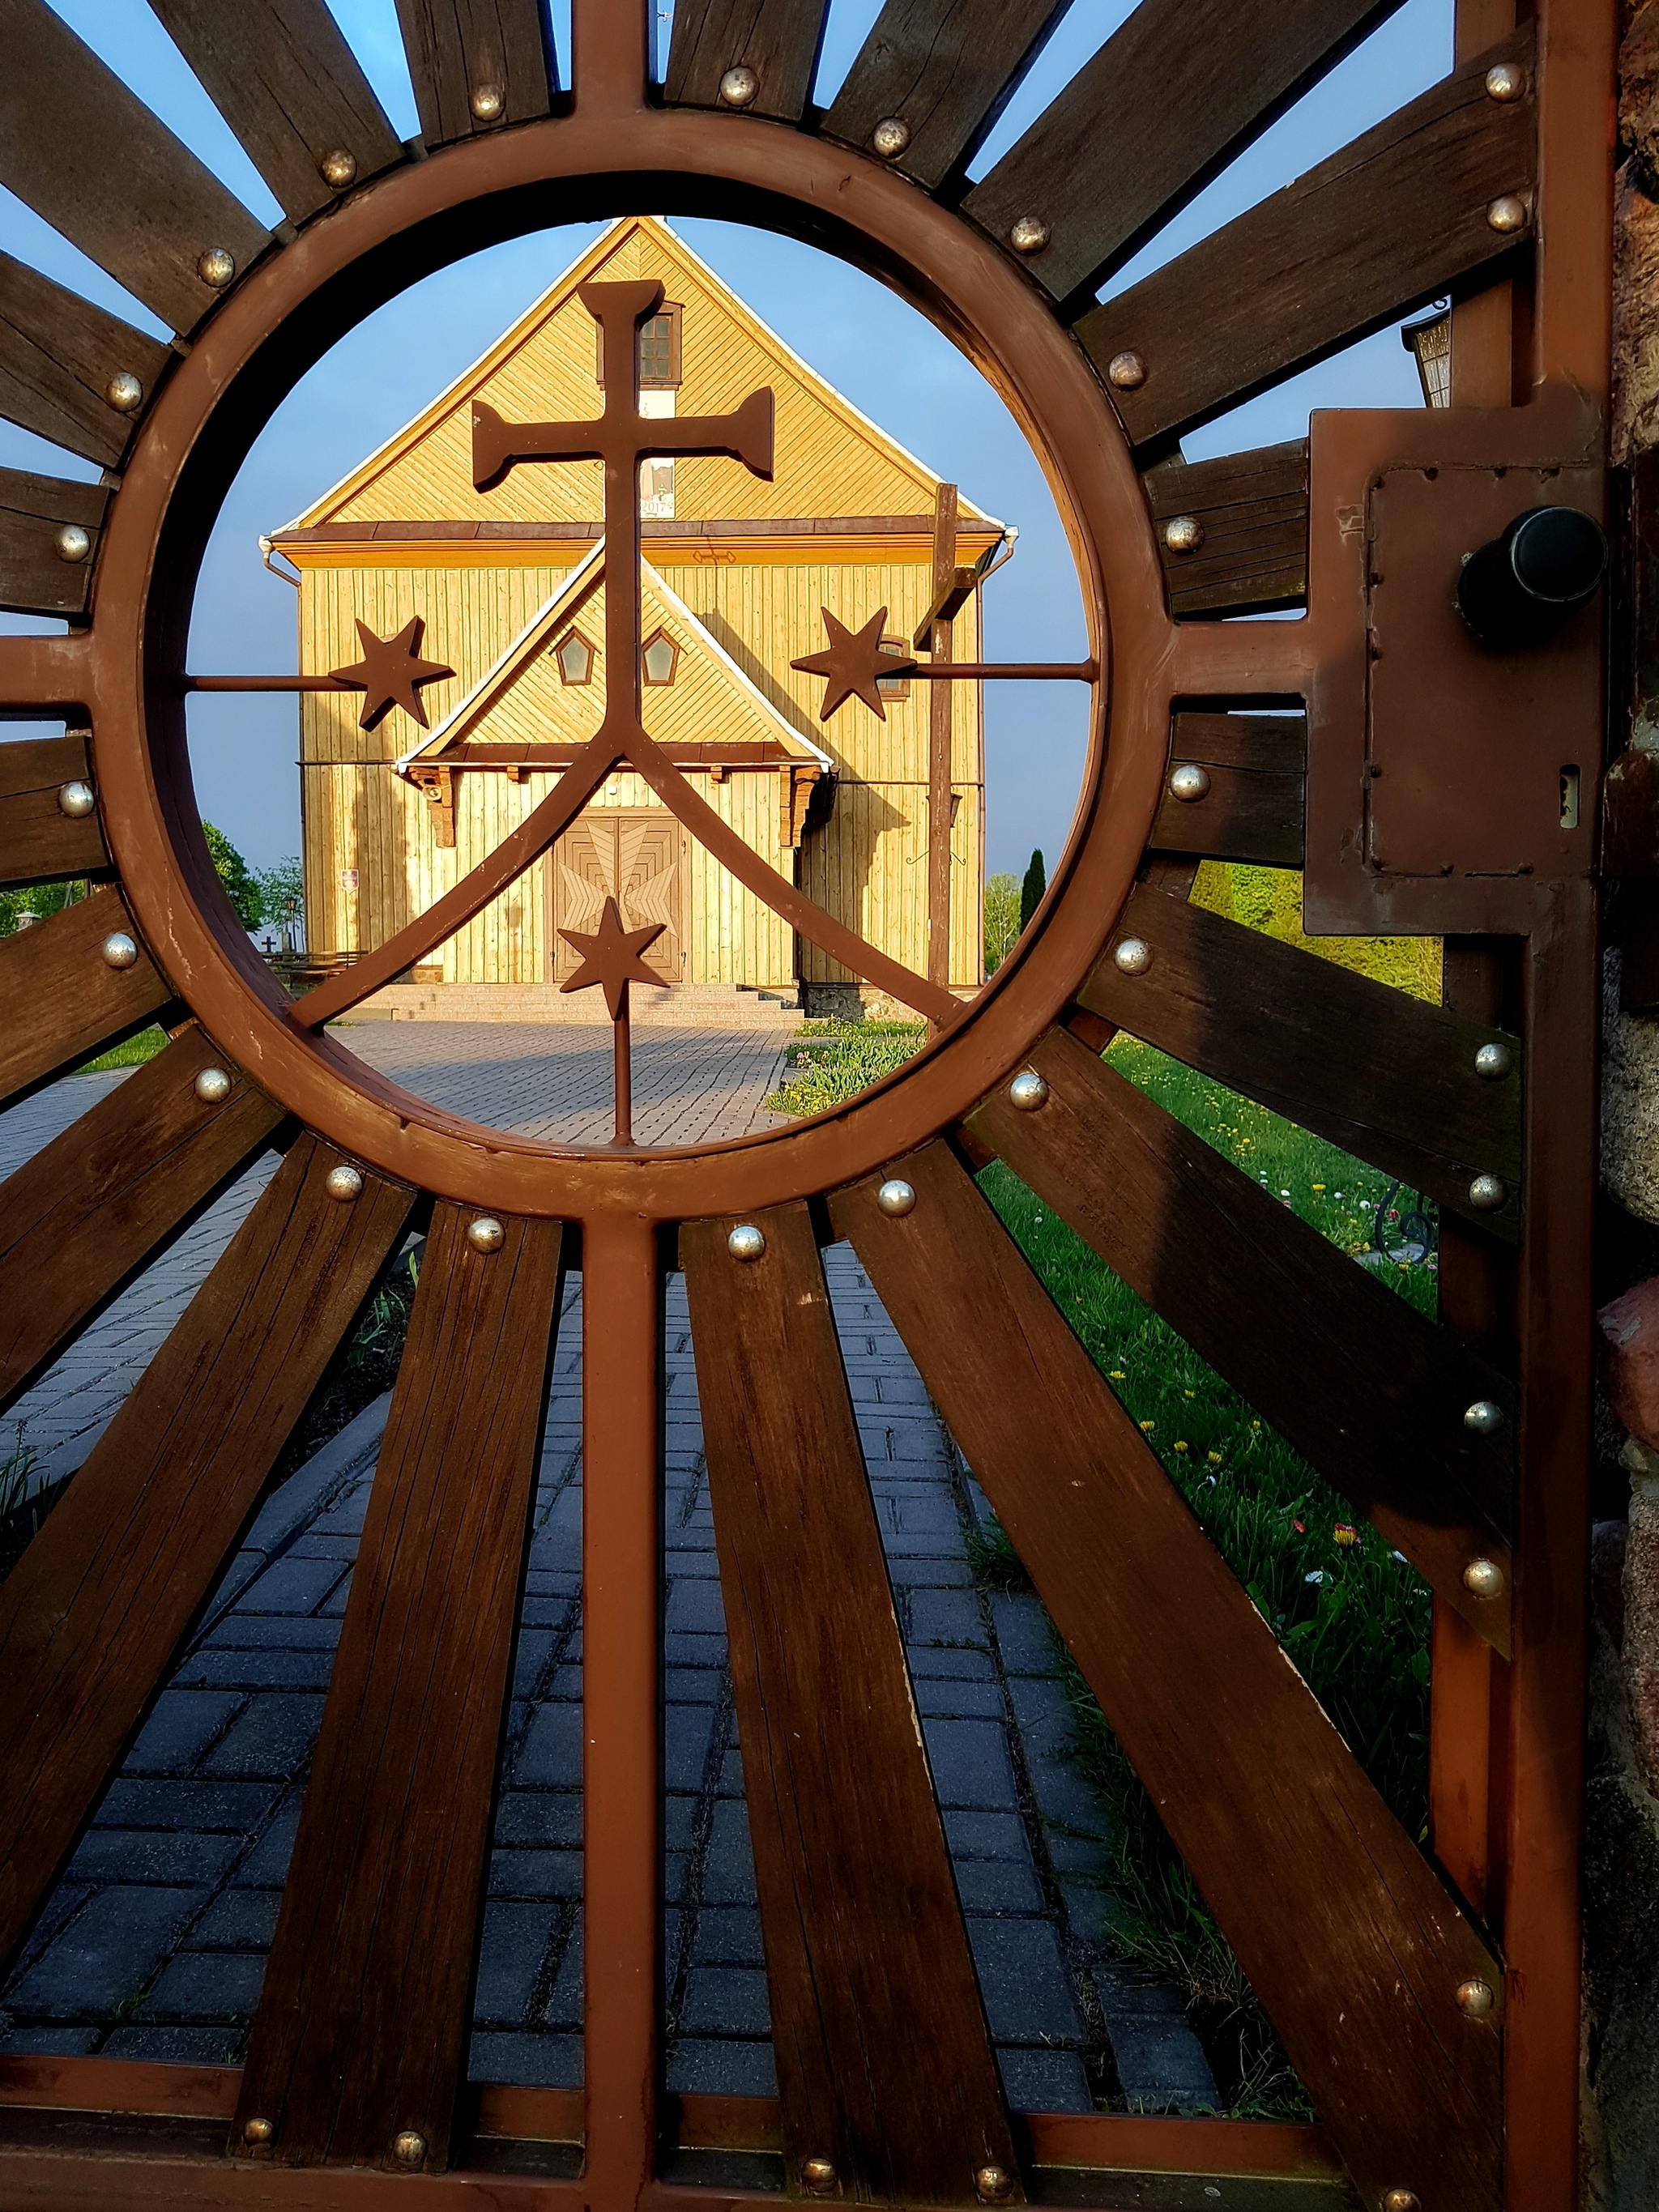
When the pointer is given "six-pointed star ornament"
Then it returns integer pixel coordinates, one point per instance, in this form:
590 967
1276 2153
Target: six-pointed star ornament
854 663
610 957
392 672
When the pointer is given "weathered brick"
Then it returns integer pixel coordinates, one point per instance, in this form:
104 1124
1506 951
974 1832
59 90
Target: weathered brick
526 2061
551 1753
696 2067
107 1953
180 1729
552 1818
208 1985
272 1739
535 1874
726 2001
510 1954
970 1759
1027 1991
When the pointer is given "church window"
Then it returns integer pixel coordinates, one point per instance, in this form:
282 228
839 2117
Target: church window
659 350
894 687
662 654
575 657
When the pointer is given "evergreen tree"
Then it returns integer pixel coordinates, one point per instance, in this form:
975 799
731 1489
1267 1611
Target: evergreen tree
233 873
1032 890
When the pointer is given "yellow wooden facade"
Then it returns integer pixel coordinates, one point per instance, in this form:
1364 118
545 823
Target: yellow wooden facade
738 572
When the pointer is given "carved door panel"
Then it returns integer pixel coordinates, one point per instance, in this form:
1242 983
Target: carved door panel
635 859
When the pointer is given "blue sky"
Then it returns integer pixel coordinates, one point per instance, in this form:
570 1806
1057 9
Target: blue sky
876 350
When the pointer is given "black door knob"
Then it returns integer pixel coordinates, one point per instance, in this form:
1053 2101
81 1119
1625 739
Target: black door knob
1516 589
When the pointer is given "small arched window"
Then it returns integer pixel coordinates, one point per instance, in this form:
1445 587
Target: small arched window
575 657
661 657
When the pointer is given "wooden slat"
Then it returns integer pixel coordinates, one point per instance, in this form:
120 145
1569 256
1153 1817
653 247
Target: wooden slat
1253 509
779 40
38 842
61 1002
1346 1933
92 160
457 47
1393 220
1166 102
1368 1391
34 577
82 1216
945 70
93 1616
361 2029
289 87
59 354
1256 807
859 1985
1387 1077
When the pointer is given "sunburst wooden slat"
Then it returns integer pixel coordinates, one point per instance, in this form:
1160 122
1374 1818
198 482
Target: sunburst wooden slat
92 1618
42 571
1314 268
1346 1935
90 157
360 2033
61 1001
1252 806
478 63
1167 100
284 79
1252 511
823 1694
778 40
40 842
60 357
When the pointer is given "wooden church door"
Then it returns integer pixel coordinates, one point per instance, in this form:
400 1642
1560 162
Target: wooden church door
635 859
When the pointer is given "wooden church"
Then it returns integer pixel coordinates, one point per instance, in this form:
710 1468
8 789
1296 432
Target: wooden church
509 587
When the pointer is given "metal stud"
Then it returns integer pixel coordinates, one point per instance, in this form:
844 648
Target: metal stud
747 1243
738 86
259 2131
119 950
890 137
819 2175
337 168
1484 1418
486 103
486 1234
213 1086
1126 372
1488 1192
1133 956
1190 782
1505 81
72 543
344 1183
1183 533
76 799
1030 234
1483 1579
896 1198
993 2185
1507 213
409 2148
1402 2200
124 391
1028 1091
217 267
1475 1999
1493 1062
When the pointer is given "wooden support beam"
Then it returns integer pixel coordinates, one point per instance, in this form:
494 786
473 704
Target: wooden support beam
59 358
1344 1931
282 75
40 843
778 40
866 1954
1386 1077
1365 1388
89 157
1252 803
61 1002
468 56
951 591
360 2032
40 573
1286 285
1252 509
93 1614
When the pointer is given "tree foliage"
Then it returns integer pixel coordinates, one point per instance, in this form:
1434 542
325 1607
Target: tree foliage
1032 890
233 872
1002 919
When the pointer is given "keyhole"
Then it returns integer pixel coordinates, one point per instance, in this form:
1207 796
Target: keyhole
1568 799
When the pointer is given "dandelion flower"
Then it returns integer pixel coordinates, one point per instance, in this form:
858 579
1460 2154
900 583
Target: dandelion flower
1320 1186
1117 1375
1214 1458
1181 1443
1147 1427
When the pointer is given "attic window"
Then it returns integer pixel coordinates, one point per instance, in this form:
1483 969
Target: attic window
894 687
661 654
659 350
575 657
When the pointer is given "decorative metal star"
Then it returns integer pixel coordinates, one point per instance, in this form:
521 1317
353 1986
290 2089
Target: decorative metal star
610 957
854 663
392 672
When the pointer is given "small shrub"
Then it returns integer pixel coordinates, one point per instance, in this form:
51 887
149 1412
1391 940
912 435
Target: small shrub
831 1061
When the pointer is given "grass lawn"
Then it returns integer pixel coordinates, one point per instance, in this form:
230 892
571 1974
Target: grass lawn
133 1054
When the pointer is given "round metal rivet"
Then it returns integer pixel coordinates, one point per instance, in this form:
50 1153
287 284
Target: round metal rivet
1190 782
486 103
1126 372
339 168
1484 1418
213 1086
1475 1999
1493 1061
124 391
486 1234
1183 533
1028 1091
73 543
1030 234
1133 956
76 799
993 2185
1505 81
1507 213
891 137
896 1198
119 950
409 2148
746 1242
217 267
1488 1192
819 2175
344 1183
738 86
259 2131
1483 1579
1402 2200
